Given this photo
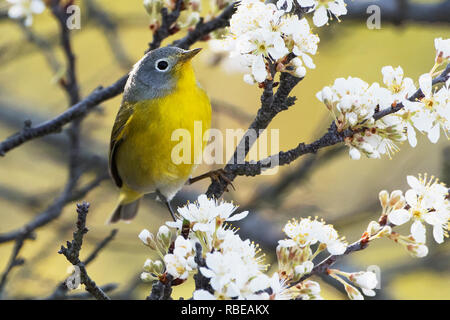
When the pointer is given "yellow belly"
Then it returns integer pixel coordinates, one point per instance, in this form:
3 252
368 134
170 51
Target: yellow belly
144 158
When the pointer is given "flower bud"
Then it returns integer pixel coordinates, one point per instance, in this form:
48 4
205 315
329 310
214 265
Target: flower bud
282 254
191 20
153 6
248 78
300 72
395 197
387 230
299 69
196 5
312 287
158 267
147 238
147 277
384 198
373 227
326 96
355 154
418 251
364 279
352 292
304 268
148 265
164 236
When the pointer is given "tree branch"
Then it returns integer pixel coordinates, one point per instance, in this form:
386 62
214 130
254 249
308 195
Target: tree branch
72 253
167 26
203 29
271 105
332 137
14 261
61 290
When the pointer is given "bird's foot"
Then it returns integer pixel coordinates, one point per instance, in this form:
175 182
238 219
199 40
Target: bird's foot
214 175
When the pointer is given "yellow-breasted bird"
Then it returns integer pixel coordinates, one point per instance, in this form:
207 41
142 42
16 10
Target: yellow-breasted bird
161 95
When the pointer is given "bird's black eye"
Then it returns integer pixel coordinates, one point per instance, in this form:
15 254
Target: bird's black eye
162 65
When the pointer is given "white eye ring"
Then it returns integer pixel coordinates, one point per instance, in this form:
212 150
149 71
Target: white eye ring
162 65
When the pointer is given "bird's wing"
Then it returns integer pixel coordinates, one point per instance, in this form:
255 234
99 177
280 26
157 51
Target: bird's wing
118 135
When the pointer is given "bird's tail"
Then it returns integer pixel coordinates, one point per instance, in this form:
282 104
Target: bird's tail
127 207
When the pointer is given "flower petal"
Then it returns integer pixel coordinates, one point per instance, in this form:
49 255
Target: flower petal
399 217
418 232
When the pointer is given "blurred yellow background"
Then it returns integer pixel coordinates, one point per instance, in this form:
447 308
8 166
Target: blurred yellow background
341 191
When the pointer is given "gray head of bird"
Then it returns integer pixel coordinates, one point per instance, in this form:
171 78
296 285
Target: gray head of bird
158 73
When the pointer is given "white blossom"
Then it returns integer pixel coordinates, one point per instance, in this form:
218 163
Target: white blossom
203 295
183 247
231 276
260 32
305 267
442 49
146 237
400 87
366 280
309 290
418 251
427 204
433 112
309 232
177 266
25 9
353 103
279 288
205 213
322 8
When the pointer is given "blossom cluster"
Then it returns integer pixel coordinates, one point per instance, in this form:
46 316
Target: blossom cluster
202 241
235 267
426 202
353 103
25 9
260 33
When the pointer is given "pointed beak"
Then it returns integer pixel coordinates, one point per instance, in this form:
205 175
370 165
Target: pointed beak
188 55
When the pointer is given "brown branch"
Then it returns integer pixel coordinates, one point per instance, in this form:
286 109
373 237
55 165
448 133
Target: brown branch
14 261
332 137
72 253
271 105
51 213
323 266
86 295
61 290
202 29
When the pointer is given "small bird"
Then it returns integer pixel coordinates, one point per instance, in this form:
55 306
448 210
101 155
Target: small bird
160 96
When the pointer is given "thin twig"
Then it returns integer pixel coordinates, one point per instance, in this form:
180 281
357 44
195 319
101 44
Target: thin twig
72 253
61 290
14 261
